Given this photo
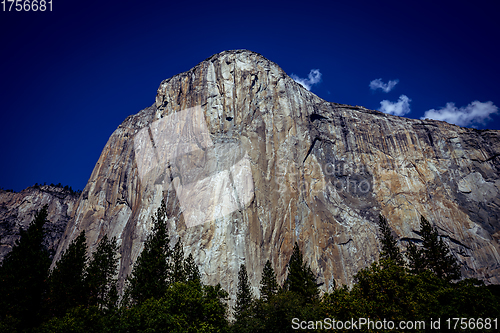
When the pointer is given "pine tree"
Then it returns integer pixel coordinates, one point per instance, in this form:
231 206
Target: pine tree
390 249
300 278
23 275
178 269
99 279
152 272
416 260
66 281
243 294
113 297
268 284
192 270
434 254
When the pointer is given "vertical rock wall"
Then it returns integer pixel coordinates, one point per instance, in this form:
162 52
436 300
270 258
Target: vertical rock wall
321 173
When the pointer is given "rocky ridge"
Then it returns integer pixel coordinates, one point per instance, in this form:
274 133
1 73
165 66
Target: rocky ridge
321 173
17 210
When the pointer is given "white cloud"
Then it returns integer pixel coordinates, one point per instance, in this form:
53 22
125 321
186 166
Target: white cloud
386 87
474 113
399 108
314 77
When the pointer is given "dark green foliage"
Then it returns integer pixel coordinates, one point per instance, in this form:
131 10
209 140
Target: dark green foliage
191 269
23 275
268 284
178 269
469 298
434 254
81 320
184 308
416 260
276 308
300 278
152 272
390 249
101 287
276 315
243 294
388 291
113 297
66 281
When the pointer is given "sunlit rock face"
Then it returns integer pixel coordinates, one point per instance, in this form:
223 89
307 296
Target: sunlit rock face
260 163
17 211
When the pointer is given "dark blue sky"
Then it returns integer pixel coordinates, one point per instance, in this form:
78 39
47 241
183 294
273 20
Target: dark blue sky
69 77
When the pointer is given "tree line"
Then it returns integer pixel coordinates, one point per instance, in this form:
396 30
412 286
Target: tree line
65 187
164 292
422 284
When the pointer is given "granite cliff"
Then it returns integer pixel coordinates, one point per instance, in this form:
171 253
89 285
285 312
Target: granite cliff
250 162
17 211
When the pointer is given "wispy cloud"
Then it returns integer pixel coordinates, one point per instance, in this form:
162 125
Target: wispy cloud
386 87
313 78
399 108
474 113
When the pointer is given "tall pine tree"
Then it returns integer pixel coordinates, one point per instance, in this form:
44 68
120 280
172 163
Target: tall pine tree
390 249
66 281
300 278
416 260
178 269
243 294
192 270
151 274
268 284
99 279
23 275
434 254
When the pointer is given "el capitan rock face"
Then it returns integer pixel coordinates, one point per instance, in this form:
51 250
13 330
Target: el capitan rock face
320 174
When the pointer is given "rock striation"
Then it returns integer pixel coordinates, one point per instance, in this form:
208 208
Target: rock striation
320 173
17 211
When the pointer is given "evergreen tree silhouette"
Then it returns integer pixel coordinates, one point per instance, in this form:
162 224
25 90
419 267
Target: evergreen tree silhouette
23 276
192 270
268 284
178 269
434 254
390 249
66 281
300 278
151 274
99 279
243 294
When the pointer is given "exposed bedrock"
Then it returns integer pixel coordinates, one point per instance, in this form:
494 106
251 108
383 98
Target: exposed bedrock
270 163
